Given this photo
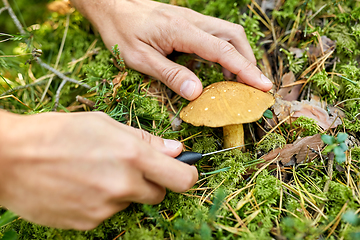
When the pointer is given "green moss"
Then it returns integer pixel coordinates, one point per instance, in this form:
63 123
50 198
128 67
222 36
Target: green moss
143 234
307 126
205 145
355 153
352 126
235 161
271 142
299 229
326 87
267 188
338 194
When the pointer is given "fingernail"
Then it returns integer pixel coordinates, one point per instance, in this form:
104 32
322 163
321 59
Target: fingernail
187 88
265 79
172 144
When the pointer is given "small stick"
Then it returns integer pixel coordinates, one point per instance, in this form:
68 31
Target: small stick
85 101
61 75
13 17
58 57
57 96
22 87
3 9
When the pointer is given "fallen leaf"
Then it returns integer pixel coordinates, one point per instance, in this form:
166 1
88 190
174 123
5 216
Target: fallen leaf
268 5
305 108
322 47
283 109
292 92
265 66
117 82
61 7
297 152
175 122
297 51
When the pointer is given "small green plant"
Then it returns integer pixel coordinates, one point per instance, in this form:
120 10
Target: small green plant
336 145
5 219
352 218
295 64
116 52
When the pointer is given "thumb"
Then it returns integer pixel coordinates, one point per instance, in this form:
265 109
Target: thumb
169 147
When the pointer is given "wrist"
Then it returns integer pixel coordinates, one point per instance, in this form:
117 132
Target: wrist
95 10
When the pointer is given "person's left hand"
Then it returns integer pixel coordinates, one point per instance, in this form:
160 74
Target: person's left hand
147 31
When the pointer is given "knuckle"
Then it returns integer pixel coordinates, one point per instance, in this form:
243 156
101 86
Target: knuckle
177 22
226 48
137 57
120 191
246 66
160 196
239 29
98 215
147 137
171 74
187 182
85 226
100 114
133 157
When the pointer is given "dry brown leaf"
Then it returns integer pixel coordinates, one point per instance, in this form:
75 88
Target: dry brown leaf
299 151
283 109
117 81
175 122
62 7
268 5
289 93
265 66
325 45
297 51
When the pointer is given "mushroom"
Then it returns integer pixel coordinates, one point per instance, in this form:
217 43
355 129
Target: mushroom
227 104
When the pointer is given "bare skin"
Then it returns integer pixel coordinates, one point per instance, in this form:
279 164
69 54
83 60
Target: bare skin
147 31
76 170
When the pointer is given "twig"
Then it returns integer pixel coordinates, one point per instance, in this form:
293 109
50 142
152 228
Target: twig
58 56
85 101
330 171
13 17
57 97
22 87
61 75
3 9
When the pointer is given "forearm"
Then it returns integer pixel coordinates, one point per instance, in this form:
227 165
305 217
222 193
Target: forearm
7 125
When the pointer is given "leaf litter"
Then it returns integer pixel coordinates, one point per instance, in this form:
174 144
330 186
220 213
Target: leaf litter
293 190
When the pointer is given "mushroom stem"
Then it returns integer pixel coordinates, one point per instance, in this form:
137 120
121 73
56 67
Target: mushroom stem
233 135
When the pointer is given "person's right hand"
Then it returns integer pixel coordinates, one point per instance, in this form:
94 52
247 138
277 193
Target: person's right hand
75 170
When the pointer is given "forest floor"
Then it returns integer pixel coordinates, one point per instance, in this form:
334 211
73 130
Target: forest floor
300 173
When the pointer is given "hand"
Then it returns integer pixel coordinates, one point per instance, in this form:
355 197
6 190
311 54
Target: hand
76 170
146 31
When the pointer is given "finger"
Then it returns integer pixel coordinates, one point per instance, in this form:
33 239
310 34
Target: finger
170 173
230 32
209 47
167 146
179 78
163 170
145 192
227 74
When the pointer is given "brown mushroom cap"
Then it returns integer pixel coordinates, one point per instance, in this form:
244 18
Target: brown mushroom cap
225 103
